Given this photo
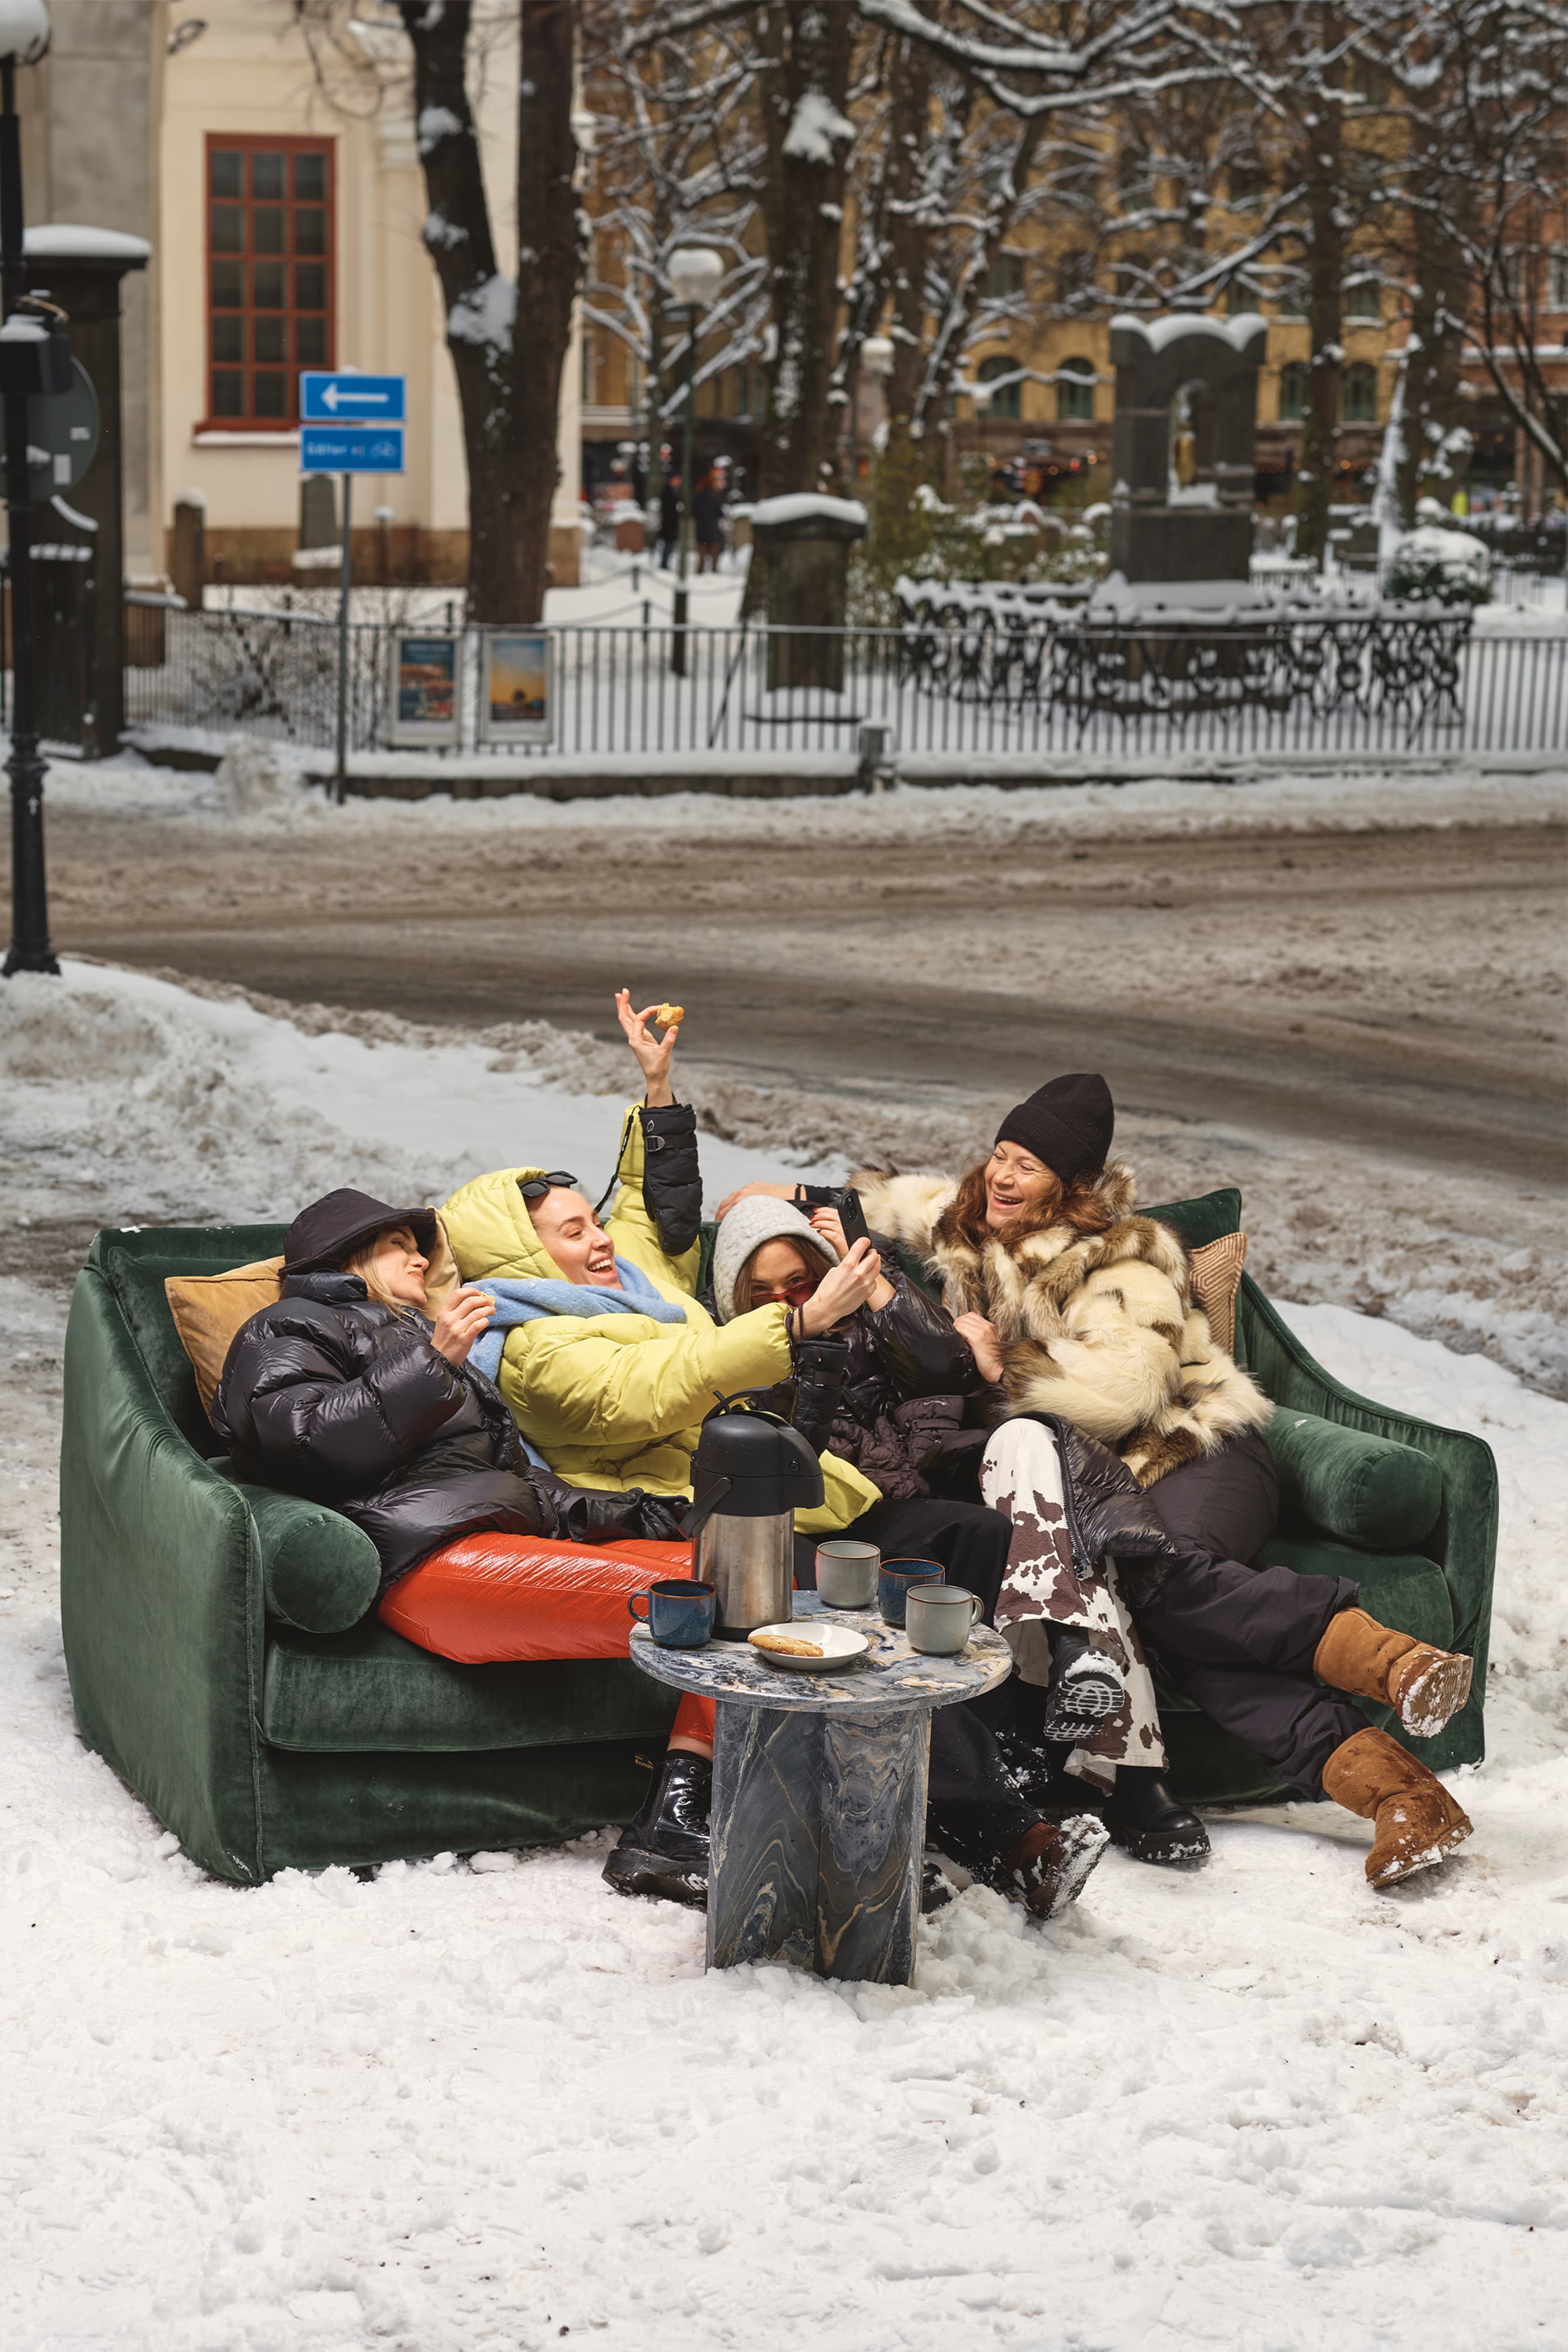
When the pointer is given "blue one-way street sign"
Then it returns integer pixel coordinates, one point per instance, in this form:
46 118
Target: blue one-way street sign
349 449
350 399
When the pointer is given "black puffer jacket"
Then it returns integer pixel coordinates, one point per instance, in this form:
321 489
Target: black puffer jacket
340 1399
907 1375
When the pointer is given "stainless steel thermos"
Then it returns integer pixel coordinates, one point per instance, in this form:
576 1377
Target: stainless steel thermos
750 1473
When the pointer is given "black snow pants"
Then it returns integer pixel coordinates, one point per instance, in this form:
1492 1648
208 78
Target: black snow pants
1239 1641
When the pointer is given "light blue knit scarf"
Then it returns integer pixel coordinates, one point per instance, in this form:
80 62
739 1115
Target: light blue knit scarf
527 1301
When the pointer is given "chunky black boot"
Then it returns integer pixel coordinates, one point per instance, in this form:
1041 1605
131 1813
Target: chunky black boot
1085 1689
664 1850
1146 1822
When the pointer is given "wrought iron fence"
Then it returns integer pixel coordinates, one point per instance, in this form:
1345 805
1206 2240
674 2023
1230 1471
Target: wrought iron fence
1347 681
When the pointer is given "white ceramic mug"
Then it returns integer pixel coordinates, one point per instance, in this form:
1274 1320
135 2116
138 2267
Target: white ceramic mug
939 1619
846 1573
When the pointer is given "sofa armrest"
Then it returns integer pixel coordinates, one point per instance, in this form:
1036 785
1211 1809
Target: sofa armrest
320 1572
1357 1485
160 1597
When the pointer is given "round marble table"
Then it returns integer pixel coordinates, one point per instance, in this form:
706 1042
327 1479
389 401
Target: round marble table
819 1792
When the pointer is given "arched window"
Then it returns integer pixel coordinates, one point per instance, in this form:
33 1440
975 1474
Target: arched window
1075 391
1294 383
1359 399
1007 403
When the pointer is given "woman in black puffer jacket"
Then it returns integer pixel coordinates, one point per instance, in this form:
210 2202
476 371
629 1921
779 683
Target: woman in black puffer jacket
356 1400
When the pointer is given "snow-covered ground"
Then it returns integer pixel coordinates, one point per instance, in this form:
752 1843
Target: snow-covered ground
462 2105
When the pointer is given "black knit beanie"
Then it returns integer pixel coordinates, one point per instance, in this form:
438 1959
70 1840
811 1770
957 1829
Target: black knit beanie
1068 1124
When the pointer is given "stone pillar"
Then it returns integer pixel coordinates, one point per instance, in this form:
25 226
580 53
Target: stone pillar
188 560
81 270
805 543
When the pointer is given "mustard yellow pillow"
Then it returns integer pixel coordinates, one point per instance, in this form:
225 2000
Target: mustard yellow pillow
1216 1279
208 1309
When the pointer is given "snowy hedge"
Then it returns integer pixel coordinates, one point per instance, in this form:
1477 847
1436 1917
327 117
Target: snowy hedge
1439 567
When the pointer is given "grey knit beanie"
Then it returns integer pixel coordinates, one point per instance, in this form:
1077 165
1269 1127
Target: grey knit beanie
750 1222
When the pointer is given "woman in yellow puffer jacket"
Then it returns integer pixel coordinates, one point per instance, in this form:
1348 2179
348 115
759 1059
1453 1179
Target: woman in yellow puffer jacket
617 1399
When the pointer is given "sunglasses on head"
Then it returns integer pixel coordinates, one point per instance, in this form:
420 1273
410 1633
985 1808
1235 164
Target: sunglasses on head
534 1188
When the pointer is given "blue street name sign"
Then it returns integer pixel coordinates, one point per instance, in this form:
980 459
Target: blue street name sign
349 449
347 399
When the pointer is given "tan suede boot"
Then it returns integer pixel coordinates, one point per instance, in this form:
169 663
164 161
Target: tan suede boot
1423 1686
1417 1821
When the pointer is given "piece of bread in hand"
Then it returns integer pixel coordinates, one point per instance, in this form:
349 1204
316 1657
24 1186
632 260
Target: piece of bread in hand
668 1015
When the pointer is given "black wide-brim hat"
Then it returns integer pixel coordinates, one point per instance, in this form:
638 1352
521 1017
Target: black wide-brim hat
332 1229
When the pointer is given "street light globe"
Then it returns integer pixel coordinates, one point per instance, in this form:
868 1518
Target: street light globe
877 355
697 273
23 30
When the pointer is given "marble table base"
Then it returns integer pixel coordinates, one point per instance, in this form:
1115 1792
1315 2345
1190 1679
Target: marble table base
817 1829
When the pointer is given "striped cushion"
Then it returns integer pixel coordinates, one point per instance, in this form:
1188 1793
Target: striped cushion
1216 1279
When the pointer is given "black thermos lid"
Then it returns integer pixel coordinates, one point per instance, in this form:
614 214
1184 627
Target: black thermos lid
769 1465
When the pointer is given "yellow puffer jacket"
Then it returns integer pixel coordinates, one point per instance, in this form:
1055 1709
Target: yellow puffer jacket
618 1400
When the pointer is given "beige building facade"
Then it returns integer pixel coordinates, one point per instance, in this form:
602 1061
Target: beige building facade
282 197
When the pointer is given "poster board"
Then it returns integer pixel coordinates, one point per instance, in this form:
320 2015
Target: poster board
516 697
425 689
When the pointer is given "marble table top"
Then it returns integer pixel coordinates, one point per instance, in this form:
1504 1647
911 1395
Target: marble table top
890 1678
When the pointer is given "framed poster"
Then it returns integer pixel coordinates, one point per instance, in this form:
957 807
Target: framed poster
426 689
515 690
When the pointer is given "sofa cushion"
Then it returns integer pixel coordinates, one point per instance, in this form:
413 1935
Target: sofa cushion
209 1309
1215 1278
319 1571
370 1690
1348 1483
1400 1588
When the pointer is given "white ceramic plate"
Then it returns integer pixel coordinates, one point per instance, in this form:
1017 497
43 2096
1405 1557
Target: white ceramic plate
838 1644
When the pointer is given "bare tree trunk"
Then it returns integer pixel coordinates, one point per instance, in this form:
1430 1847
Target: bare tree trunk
1323 173
809 48
1433 404
552 249
508 387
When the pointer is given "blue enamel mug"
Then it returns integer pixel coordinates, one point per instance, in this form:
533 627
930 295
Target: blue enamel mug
894 1579
679 1612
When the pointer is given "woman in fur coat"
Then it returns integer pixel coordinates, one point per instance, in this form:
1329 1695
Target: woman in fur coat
1080 1315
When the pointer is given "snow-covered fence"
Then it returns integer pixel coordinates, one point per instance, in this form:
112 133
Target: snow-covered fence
1024 681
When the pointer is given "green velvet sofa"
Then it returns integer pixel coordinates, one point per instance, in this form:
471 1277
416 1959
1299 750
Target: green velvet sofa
224 1661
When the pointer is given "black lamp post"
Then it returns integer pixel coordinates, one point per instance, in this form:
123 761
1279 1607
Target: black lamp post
23 37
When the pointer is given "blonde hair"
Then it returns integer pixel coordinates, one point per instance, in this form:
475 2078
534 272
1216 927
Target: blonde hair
363 1263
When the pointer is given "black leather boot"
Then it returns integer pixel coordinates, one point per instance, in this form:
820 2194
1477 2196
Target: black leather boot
1146 1822
664 1851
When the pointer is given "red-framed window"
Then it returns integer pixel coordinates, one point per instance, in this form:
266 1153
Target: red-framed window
271 264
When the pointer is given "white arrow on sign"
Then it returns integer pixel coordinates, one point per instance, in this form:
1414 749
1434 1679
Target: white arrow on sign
336 396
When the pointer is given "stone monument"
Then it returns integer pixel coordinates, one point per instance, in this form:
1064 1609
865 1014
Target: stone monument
804 540
1184 450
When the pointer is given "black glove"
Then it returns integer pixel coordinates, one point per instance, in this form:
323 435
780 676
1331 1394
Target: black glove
598 1515
820 1369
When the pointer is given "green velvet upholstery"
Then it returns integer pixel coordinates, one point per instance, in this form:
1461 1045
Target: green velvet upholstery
222 1660
370 1690
319 1571
1365 1489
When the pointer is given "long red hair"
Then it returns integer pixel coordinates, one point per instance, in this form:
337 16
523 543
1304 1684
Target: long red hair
1080 1205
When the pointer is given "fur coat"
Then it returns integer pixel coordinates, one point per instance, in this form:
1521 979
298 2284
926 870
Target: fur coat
1101 1328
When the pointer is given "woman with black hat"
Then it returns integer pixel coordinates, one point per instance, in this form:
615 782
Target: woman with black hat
1081 1317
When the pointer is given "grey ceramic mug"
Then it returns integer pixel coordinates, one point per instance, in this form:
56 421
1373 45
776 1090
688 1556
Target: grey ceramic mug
847 1573
939 1619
